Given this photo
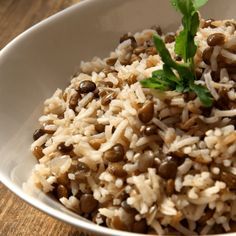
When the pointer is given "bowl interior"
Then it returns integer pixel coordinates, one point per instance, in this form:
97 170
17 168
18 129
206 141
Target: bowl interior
42 59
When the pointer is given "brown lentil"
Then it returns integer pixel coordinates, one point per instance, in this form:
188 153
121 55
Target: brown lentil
216 39
111 61
223 103
108 70
82 167
140 227
206 216
117 170
230 24
169 38
38 133
139 50
132 79
215 75
146 113
108 84
168 169
87 203
115 154
106 99
95 143
126 37
62 191
64 149
118 224
87 86
134 58
125 62
38 152
128 208
206 55
48 131
150 130
157 28
99 128
208 23
170 187
151 51
63 179
74 100
145 161
229 179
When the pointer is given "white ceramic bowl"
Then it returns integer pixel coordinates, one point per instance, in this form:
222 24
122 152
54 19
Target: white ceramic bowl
38 61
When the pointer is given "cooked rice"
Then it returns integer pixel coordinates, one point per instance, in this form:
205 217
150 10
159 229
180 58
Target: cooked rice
200 199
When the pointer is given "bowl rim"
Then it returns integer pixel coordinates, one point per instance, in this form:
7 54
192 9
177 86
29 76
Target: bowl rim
34 202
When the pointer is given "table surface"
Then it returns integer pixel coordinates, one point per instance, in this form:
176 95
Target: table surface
17 217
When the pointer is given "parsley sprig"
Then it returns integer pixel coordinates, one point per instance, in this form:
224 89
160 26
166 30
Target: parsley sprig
180 76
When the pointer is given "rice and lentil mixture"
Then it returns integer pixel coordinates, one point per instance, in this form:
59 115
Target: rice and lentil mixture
144 161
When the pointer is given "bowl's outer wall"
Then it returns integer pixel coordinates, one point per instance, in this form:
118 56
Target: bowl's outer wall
44 58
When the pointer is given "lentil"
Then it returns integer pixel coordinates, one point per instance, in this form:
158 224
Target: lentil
73 103
99 128
208 23
151 51
62 191
145 161
38 152
157 28
134 58
206 55
117 170
170 187
64 149
117 223
111 61
132 79
150 130
38 133
140 227
168 169
216 39
87 203
108 70
207 215
115 154
126 37
63 179
106 99
229 179
139 50
146 113
169 38
87 86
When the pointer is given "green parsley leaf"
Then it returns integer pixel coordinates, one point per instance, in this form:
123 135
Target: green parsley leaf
199 3
203 94
180 76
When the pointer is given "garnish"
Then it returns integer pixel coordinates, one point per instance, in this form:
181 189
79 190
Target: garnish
180 76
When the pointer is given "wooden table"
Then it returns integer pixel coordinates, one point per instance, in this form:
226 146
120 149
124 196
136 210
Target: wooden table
16 217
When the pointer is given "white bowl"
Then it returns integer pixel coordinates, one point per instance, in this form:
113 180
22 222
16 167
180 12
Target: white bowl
38 61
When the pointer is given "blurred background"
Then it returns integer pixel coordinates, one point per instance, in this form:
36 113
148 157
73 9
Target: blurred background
16 217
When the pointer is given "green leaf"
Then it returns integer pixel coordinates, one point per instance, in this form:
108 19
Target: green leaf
155 83
203 94
199 3
194 23
180 44
196 4
163 51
